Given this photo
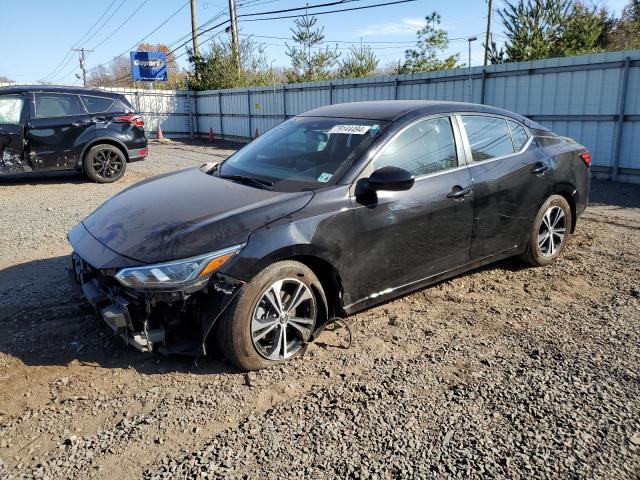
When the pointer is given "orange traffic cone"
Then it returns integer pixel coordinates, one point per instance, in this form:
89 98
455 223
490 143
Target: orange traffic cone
211 135
159 134
257 133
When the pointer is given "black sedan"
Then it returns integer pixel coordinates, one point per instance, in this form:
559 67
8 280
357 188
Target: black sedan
329 213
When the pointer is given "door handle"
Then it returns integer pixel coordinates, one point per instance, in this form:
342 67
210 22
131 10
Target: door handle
540 170
99 119
458 192
81 123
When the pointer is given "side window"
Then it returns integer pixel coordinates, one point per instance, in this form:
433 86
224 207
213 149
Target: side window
96 104
57 105
11 109
518 134
423 148
489 137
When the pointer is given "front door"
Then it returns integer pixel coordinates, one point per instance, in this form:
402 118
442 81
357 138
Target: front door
404 237
510 181
12 126
58 129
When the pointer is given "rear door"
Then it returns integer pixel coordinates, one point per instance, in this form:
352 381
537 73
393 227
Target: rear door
410 235
13 118
510 181
58 129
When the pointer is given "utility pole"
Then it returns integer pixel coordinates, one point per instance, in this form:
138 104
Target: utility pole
83 64
235 44
194 27
487 38
470 39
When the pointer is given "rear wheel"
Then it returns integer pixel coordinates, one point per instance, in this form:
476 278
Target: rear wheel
550 232
272 317
104 163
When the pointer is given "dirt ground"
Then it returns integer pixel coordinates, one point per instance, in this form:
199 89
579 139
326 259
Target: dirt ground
508 372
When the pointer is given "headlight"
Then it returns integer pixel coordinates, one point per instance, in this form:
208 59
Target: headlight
176 273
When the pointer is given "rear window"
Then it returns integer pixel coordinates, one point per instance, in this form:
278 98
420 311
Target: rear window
518 134
97 104
489 137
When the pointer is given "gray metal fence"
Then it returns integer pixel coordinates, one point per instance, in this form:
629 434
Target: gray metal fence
592 98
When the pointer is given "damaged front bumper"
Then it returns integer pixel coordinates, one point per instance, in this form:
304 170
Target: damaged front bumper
169 321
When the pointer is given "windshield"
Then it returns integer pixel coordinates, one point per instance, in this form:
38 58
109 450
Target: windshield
303 152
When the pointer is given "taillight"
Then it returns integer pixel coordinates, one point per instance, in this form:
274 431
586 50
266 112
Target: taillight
135 120
586 158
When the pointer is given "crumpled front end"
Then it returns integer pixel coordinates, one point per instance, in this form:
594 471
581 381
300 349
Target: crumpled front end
169 321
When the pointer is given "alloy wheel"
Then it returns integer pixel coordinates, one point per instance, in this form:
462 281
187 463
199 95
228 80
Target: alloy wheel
552 231
283 320
107 163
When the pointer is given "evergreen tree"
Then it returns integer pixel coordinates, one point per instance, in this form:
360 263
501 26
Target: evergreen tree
217 67
309 61
431 41
360 62
625 32
538 29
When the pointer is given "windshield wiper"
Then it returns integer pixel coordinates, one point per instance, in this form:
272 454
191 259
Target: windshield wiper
265 184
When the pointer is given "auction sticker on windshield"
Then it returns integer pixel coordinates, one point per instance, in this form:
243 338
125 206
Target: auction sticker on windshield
350 129
324 177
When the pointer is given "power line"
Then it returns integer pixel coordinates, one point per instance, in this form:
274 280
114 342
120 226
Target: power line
104 24
307 7
69 54
143 38
129 17
325 13
84 50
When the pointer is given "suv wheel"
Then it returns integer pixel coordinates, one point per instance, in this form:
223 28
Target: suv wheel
104 163
551 229
272 317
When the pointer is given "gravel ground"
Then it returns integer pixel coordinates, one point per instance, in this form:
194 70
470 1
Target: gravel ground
507 372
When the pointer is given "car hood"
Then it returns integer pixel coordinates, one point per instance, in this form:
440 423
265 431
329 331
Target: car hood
186 213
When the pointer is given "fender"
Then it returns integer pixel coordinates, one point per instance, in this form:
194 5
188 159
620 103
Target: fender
96 141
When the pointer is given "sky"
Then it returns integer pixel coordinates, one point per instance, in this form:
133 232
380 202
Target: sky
38 35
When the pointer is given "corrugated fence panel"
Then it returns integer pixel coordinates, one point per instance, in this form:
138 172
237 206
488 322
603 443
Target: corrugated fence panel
167 108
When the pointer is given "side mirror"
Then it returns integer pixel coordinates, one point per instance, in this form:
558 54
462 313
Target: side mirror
391 178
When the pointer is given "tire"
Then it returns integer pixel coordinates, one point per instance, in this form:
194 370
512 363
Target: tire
544 248
104 163
250 332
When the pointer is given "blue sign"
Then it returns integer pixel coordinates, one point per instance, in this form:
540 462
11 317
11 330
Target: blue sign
148 66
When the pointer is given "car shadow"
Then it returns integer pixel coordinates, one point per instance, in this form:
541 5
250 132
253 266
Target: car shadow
622 195
45 321
43 178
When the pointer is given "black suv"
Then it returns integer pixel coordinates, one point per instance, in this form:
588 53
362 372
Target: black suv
44 128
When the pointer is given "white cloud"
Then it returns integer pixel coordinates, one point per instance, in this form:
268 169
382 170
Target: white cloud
404 26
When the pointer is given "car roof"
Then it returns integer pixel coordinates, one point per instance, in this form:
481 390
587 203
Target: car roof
392 110
55 88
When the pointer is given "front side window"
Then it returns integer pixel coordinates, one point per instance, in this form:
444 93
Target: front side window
423 148
489 137
303 152
10 109
96 104
57 105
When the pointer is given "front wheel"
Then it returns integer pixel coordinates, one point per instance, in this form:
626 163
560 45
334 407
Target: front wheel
550 232
104 164
272 318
